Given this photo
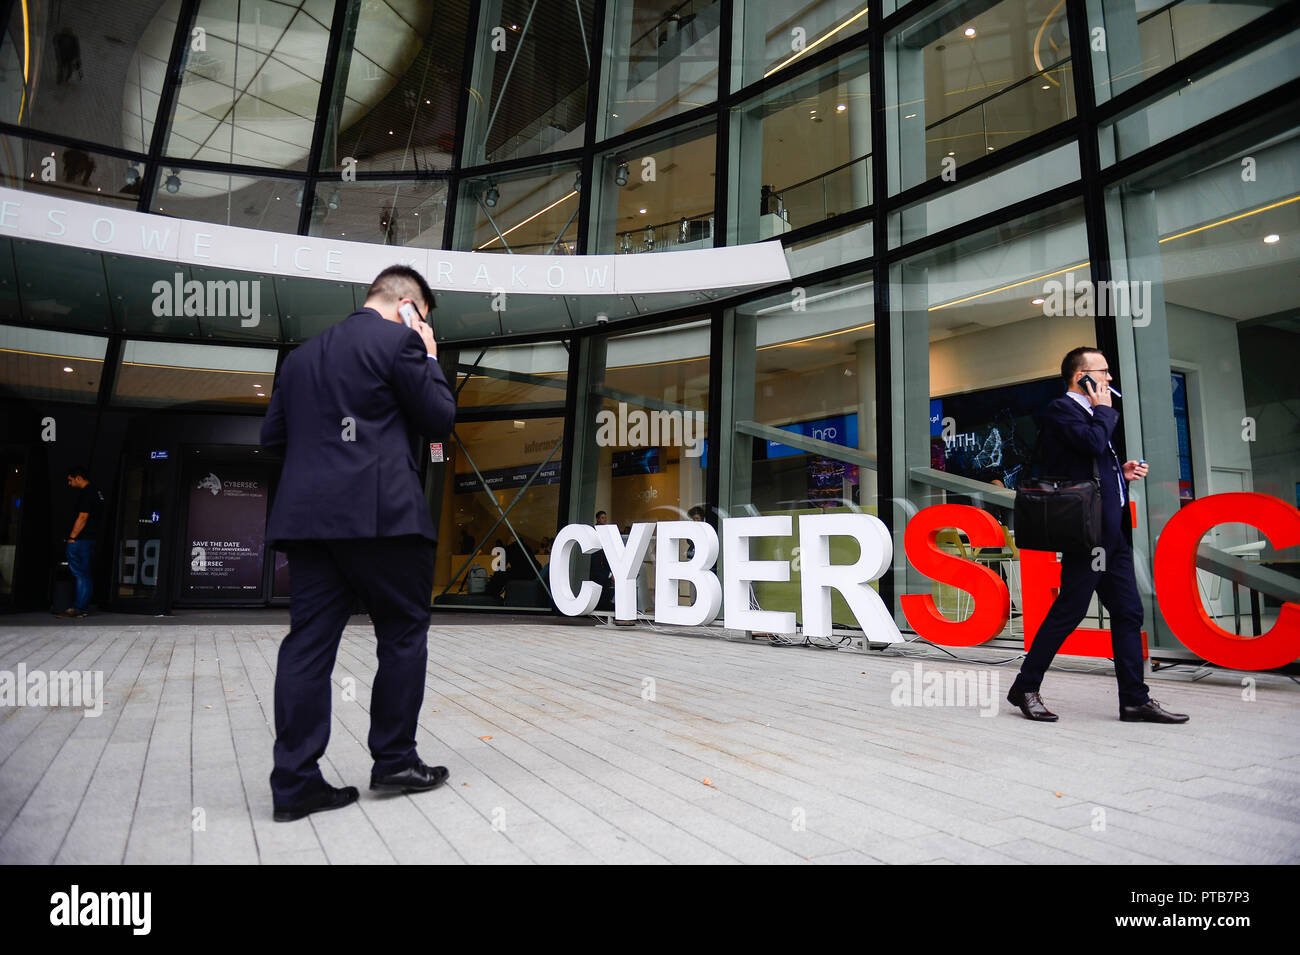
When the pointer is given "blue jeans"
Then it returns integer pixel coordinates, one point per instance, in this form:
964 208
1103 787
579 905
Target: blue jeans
78 553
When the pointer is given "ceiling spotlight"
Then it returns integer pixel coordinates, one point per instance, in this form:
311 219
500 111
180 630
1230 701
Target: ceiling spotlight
1037 301
989 149
173 182
1046 86
952 154
620 177
1272 237
969 31
642 212
67 368
840 107
910 116
492 196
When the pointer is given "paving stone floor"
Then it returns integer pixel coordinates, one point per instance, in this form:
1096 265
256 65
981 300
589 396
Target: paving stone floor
745 753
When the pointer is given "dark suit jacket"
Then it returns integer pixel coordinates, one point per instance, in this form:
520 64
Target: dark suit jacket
1072 440
377 373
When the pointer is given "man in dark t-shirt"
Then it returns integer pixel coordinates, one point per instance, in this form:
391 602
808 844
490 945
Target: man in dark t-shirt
80 542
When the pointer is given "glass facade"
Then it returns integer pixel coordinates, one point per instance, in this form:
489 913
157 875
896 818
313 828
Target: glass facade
931 171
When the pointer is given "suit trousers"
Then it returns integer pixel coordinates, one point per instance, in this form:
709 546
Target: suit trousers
1116 585
393 578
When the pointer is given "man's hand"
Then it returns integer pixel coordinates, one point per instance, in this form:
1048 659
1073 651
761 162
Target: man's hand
1134 470
426 333
1096 396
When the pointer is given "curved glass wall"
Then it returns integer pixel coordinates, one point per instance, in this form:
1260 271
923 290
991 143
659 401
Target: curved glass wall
928 167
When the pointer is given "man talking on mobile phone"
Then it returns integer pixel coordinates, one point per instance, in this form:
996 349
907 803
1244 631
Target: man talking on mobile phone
351 515
1076 435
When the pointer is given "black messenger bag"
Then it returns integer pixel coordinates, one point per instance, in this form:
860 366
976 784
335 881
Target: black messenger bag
1059 514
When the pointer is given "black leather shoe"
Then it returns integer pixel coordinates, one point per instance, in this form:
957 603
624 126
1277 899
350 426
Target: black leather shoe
413 779
1150 712
326 799
1031 704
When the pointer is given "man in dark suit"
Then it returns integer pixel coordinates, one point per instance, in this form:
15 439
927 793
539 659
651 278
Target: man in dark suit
351 515
1076 434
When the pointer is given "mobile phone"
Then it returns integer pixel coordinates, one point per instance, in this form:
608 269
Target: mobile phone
408 314
1086 380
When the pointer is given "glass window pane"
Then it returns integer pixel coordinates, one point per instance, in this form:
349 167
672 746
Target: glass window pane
801 153
964 201
661 60
518 375
770 35
88 70
1192 103
384 213
531 74
69 172
393 107
532 211
60 366
175 374
804 406
250 83
510 466
968 79
1215 260
656 196
251 203
642 447
1142 42
979 342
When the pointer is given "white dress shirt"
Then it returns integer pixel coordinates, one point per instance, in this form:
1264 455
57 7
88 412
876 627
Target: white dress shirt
1123 485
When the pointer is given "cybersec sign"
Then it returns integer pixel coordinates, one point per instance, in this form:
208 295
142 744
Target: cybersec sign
1175 577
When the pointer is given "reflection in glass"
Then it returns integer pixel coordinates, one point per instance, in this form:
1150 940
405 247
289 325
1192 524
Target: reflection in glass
393 107
384 213
773 34
981 339
250 83
804 400
529 95
1142 42
176 374
657 196
963 86
801 153
517 375
1214 349
269 204
664 60
88 70
532 211
69 172
60 366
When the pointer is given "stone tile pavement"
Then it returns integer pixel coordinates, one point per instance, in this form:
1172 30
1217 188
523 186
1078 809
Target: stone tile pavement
572 744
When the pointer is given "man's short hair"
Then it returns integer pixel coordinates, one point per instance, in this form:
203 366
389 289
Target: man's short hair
79 471
398 282
598 513
695 512
1074 360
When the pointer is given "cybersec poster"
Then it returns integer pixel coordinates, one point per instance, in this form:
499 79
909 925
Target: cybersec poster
226 531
